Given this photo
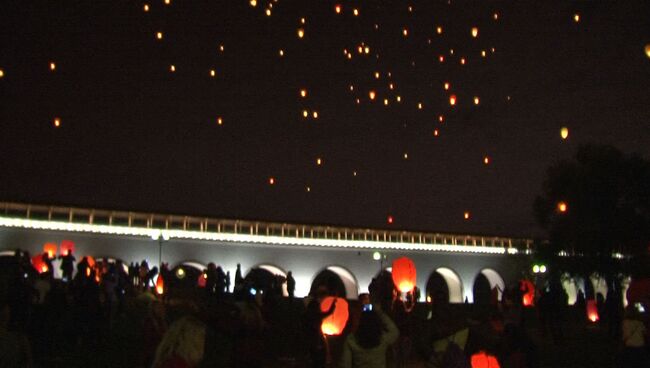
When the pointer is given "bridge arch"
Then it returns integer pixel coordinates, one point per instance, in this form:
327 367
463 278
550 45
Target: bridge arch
446 283
484 283
338 280
273 270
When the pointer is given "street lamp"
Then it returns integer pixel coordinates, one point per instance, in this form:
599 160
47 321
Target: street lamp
160 236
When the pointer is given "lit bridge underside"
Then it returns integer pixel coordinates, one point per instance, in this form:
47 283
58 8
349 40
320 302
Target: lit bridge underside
306 250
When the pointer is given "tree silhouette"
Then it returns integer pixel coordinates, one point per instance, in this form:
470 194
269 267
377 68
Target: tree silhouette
596 205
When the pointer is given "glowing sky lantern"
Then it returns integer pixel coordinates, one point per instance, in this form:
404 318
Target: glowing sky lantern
462 61
315 114
337 8
159 35
592 311
576 17
385 102
57 122
52 66
405 32
305 114
145 7
405 156
303 93
420 105
372 95
528 293
67 247
452 100
172 68
466 215
219 120
495 16
221 48
268 12
390 219
253 3
564 132
446 86
167 2
486 160
474 32
213 73
303 20
436 133
483 53
404 274
398 98
50 249
484 360
301 33
281 52
160 285
355 11
271 181
334 324
319 161
441 118
366 49
2 73
38 264
377 75
647 50
562 207
476 100
439 30
441 58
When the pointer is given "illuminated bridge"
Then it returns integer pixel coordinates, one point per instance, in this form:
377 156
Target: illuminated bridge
464 266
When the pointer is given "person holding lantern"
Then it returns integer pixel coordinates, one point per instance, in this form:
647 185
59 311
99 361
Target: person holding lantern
367 346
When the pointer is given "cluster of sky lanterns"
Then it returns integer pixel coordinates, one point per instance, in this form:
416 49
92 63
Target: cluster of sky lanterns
362 48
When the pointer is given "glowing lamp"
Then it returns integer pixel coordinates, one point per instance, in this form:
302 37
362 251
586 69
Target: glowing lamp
57 122
446 85
337 8
268 12
372 95
315 114
592 311
486 160
528 290
484 360
355 12
52 66
476 100
281 52
404 275
452 100
67 247
405 32
441 59
466 215
219 120
145 7
564 132
38 264
647 50
335 322
436 133
576 17
202 280
253 3
474 32
301 33
562 207
271 181
160 286
439 30
2 72
50 249
390 219
180 273
159 35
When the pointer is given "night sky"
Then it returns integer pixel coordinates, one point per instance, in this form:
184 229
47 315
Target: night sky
97 111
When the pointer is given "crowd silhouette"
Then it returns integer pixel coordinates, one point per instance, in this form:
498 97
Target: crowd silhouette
106 313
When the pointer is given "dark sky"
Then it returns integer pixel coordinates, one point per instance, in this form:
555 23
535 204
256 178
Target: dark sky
134 135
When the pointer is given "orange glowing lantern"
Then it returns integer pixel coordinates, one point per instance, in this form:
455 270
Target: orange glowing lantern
335 322
528 290
337 8
562 207
484 360
67 247
160 285
50 249
452 100
203 277
39 265
404 275
647 50
592 311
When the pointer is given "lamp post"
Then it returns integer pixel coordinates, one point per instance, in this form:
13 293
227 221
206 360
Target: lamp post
160 236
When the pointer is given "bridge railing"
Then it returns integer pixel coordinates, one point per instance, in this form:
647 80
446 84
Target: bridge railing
204 224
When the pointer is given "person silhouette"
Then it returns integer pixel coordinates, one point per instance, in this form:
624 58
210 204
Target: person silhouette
291 285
